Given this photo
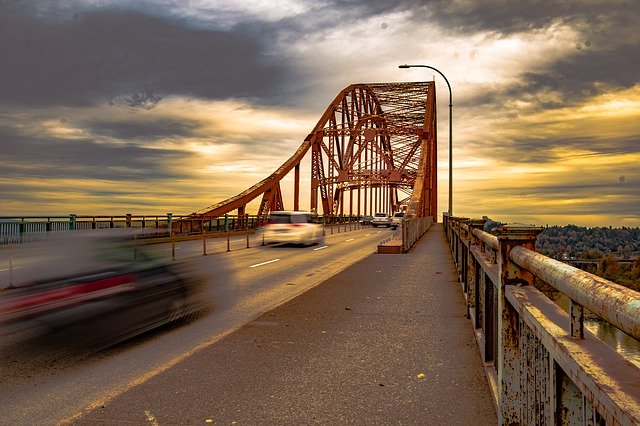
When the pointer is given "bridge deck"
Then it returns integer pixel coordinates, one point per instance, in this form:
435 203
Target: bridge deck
385 341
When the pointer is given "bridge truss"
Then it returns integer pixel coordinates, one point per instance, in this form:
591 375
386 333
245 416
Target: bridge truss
373 149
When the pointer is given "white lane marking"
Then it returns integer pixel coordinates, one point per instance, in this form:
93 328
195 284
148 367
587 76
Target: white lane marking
320 248
350 239
264 263
14 268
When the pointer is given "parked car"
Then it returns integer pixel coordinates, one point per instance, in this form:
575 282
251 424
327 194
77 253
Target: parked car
101 286
396 220
366 219
295 227
381 219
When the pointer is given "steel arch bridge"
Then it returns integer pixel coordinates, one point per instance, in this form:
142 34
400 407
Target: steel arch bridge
373 149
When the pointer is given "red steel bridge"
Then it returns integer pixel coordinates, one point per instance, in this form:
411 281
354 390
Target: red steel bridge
373 149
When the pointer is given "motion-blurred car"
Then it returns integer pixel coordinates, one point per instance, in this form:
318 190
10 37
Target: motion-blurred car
381 219
366 220
396 220
295 227
103 283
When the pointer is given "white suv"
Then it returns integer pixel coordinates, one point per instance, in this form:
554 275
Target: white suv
296 227
381 219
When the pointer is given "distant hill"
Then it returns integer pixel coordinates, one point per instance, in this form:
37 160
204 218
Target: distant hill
579 242
616 250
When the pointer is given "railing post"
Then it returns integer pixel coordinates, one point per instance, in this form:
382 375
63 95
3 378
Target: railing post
472 285
576 311
22 229
128 220
72 222
509 370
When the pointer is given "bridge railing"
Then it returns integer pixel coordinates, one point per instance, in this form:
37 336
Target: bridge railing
412 229
19 229
542 366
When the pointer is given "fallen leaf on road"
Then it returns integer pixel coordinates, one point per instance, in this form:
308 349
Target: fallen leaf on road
421 376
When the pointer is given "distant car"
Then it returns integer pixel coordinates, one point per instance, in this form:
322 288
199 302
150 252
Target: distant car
295 227
366 219
381 219
396 220
101 286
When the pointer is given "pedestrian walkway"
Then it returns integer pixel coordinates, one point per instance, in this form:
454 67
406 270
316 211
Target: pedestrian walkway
384 342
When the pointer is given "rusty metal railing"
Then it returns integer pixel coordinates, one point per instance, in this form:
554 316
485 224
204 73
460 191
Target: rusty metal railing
542 367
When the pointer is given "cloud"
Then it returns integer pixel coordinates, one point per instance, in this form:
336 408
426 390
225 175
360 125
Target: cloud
175 105
185 154
107 53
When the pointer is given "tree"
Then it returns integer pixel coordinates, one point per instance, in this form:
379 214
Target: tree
609 268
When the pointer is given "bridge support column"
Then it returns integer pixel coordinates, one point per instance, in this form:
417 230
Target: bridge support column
296 187
510 393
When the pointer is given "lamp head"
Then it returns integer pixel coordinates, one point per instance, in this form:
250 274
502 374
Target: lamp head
404 66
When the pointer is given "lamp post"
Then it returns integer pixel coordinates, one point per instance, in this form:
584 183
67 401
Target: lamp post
450 131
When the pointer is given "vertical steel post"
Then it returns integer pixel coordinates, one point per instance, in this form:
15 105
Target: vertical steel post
472 285
576 311
510 393
296 187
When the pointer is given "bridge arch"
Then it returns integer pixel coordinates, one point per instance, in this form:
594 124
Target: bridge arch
373 149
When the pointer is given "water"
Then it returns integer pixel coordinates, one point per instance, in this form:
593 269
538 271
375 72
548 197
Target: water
621 342
624 344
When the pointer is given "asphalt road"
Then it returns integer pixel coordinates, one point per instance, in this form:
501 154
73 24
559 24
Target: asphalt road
47 385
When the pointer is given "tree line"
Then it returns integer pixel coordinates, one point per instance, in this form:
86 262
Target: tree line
615 251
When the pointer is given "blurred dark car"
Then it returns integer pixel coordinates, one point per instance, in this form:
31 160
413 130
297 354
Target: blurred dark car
102 283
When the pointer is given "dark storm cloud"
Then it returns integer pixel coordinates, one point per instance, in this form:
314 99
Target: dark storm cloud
608 51
597 198
575 76
542 150
508 17
148 129
49 158
95 55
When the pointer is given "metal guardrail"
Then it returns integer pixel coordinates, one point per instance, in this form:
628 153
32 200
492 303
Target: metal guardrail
20 229
542 366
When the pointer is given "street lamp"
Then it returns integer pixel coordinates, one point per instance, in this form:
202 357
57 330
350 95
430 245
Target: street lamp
450 131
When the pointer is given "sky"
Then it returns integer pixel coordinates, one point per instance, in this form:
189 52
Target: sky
147 107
